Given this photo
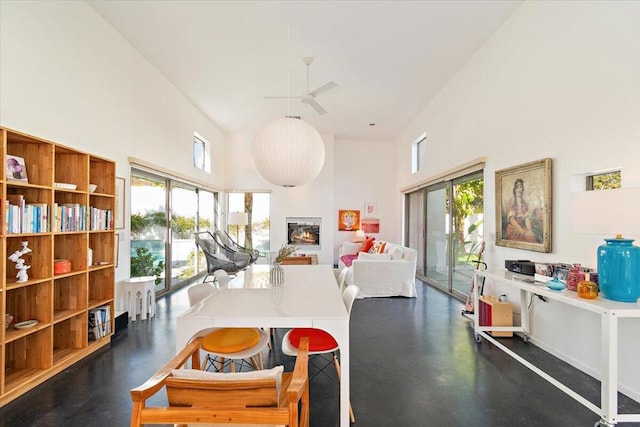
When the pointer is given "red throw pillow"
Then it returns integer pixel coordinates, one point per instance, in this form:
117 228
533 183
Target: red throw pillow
366 245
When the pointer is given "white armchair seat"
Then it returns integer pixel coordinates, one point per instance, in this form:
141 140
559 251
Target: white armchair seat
382 276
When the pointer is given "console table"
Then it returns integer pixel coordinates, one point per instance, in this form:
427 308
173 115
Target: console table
609 311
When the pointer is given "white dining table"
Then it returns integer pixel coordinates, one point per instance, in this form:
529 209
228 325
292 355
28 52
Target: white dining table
309 297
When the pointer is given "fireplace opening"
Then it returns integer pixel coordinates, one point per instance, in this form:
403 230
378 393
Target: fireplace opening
304 232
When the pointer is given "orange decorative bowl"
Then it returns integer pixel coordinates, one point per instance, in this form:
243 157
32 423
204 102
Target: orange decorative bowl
61 266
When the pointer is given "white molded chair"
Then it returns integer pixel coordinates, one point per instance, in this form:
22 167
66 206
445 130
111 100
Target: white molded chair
320 342
222 277
229 344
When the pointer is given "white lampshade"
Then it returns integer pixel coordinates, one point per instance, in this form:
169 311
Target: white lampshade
238 218
613 213
359 237
288 152
606 212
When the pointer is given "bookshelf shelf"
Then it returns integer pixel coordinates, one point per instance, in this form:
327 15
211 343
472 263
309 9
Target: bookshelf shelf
32 209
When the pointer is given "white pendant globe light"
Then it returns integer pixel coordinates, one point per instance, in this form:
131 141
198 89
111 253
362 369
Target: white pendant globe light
288 152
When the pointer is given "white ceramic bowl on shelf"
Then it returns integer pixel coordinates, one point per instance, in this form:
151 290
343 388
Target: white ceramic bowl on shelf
92 187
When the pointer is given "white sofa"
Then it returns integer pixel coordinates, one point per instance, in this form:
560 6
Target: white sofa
391 273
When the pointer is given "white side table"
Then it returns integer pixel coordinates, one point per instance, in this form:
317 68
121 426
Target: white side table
138 296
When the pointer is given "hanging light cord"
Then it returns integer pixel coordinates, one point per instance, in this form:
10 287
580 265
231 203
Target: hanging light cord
288 56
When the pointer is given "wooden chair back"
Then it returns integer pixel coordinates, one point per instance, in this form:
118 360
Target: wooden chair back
222 394
247 401
297 260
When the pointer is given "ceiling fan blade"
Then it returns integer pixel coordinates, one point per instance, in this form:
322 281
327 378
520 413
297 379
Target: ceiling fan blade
282 97
309 100
325 87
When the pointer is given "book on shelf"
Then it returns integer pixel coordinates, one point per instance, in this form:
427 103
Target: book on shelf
99 219
69 217
23 217
99 322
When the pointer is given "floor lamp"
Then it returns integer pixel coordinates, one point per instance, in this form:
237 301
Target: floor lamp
238 219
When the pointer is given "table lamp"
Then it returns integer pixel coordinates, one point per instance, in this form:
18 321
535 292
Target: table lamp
613 213
238 219
359 237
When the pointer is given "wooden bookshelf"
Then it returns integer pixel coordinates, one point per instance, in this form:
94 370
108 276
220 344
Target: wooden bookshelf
59 180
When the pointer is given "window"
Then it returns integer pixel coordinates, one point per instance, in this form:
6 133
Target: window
257 207
604 181
417 152
200 154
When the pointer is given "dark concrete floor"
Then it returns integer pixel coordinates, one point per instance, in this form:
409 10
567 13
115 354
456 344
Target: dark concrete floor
414 362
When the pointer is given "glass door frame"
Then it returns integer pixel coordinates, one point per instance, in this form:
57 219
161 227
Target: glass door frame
449 185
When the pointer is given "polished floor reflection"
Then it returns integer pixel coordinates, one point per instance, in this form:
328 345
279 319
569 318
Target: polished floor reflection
414 363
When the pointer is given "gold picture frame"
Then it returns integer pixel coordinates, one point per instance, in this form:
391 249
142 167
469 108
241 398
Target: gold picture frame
523 206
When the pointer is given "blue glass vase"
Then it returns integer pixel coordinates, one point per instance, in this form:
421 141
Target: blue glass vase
619 270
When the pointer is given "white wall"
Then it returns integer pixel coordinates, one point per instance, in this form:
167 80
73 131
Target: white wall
560 80
67 76
354 173
365 173
312 200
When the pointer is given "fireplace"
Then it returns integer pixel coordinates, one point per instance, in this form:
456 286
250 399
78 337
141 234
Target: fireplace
304 232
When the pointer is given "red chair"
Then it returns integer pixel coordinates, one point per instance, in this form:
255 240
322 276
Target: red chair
320 342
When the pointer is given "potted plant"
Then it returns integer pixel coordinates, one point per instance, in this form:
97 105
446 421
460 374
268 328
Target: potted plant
276 273
143 264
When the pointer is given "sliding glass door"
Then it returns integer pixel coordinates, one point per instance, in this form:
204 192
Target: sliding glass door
149 228
437 235
445 226
165 213
184 213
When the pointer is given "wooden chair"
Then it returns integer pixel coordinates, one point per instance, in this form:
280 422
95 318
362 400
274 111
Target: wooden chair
237 401
296 260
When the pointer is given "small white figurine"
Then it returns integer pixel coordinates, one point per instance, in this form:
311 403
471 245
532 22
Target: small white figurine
22 269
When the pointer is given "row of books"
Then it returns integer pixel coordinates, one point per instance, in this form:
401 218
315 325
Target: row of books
30 218
22 217
100 219
99 322
69 217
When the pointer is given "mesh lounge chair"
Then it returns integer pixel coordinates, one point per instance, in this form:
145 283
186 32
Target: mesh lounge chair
227 241
241 259
215 260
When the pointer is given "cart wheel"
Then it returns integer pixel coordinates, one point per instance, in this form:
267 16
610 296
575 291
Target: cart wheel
525 338
478 337
602 423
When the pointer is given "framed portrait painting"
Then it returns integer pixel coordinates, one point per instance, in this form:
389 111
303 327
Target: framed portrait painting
523 206
348 220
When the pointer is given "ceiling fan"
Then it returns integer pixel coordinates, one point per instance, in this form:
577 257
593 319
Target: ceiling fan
309 97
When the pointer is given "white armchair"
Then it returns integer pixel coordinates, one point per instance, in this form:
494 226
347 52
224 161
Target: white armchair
391 273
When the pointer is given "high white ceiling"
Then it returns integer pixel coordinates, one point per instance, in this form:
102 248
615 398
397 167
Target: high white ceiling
389 58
